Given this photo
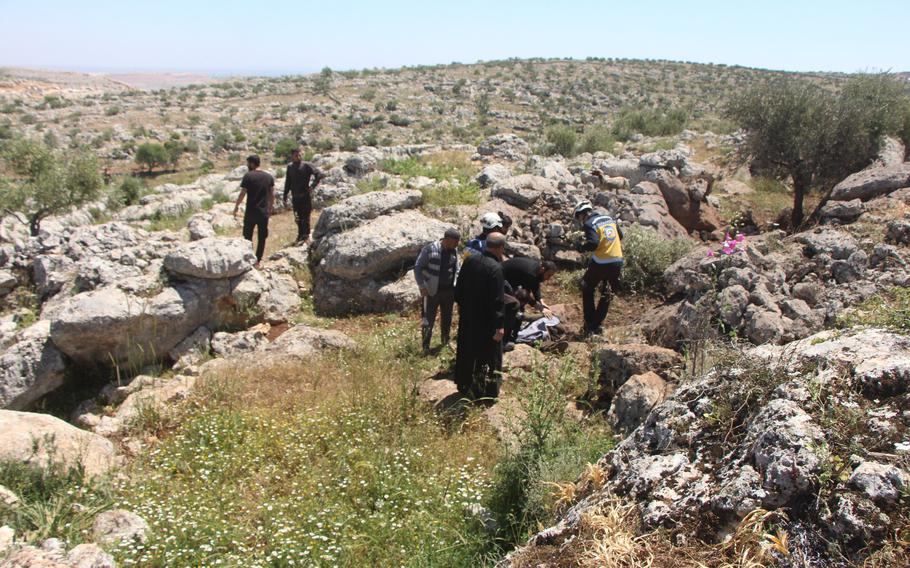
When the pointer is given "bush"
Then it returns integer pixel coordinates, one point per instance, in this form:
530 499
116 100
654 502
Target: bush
560 140
650 122
284 147
597 138
129 192
647 255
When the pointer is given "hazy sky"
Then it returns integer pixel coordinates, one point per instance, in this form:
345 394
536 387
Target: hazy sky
261 37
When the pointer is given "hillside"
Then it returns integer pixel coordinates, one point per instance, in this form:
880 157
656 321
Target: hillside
167 400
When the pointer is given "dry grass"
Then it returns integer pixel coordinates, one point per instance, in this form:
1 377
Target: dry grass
611 536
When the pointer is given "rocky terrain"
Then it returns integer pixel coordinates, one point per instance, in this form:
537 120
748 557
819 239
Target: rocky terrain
756 395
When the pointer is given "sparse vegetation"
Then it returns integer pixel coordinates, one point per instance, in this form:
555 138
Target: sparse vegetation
647 256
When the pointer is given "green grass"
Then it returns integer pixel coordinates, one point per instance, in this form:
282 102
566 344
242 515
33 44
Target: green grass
55 501
332 462
889 309
455 168
647 255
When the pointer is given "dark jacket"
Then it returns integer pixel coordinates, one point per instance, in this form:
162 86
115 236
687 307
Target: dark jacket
523 272
479 293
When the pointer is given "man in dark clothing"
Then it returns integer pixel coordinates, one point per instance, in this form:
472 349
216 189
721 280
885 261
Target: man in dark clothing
300 181
524 276
435 272
528 274
259 189
479 294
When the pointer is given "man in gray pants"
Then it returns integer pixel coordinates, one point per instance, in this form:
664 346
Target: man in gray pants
435 271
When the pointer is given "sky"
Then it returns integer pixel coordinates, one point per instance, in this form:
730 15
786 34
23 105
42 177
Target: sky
251 37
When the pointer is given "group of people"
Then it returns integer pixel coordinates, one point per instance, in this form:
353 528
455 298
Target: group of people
258 188
492 292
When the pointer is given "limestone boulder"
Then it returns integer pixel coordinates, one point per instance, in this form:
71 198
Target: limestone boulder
38 438
384 244
872 182
635 399
114 527
505 146
30 368
211 258
108 325
359 209
523 190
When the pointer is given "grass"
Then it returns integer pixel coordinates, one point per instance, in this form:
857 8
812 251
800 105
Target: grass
331 462
54 501
451 171
889 309
647 255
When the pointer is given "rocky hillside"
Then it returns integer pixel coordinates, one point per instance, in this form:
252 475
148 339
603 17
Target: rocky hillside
440 104
759 411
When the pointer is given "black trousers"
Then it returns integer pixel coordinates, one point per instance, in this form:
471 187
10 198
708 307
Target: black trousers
510 324
604 277
444 302
303 208
256 220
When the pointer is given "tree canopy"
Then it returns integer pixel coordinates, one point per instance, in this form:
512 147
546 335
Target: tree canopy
798 130
47 182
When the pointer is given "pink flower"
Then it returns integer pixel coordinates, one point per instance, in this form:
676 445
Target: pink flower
710 252
740 237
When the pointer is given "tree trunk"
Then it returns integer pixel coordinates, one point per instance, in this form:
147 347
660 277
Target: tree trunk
801 184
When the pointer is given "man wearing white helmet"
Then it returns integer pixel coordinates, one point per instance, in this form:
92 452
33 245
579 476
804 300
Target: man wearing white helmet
603 239
491 223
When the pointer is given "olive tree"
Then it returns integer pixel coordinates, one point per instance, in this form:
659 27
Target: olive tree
45 182
152 154
798 130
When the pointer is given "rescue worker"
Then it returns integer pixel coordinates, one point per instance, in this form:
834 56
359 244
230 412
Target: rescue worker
490 222
435 272
603 238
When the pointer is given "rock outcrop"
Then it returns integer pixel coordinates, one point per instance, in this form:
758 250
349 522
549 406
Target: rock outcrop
40 438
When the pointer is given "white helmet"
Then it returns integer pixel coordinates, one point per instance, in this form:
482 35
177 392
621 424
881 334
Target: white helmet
490 221
583 207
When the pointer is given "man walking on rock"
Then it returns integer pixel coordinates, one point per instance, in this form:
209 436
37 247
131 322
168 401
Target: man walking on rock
435 271
300 180
604 238
259 189
479 293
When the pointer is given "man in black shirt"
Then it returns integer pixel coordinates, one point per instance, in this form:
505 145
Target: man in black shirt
259 189
297 183
527 274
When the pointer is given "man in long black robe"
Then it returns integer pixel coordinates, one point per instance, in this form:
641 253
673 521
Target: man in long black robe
479 293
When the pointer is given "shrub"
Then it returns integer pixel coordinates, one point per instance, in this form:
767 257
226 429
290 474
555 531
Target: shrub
560 140
649 121
284 147
129 191
647 255
349 144
597 138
